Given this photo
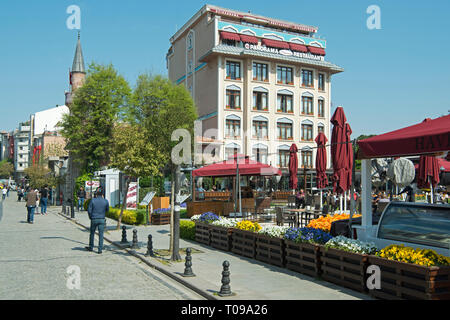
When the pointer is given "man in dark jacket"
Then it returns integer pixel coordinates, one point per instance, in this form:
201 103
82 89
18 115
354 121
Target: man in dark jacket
98 207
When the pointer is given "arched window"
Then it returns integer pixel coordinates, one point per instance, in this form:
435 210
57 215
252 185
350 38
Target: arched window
285 129
232 127
260 99
260 128
260 153
321 107
307 157
231 149
307 130
307 104
283 156
233 97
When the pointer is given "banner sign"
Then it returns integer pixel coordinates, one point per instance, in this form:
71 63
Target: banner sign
283 52
132 196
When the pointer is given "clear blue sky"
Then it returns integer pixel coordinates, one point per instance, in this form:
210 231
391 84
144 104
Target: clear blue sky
394 77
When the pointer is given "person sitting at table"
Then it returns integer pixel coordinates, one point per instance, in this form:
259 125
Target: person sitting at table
300 199
201 192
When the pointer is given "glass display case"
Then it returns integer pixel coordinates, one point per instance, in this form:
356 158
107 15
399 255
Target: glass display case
418 223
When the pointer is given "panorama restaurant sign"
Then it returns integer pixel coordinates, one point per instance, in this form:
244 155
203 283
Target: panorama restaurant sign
283 52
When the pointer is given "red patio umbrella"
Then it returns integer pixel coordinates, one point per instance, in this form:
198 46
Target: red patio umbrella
293 167
428 172
321 161
339 151
349 152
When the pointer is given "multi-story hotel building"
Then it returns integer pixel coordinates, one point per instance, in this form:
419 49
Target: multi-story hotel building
263 83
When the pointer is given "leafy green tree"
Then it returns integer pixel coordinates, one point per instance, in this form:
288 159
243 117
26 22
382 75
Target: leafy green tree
6 169
96 107
134 155
39 176
162 107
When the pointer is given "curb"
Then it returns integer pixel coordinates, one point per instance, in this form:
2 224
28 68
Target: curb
147 262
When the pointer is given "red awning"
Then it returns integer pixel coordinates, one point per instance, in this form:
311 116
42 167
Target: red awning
424 138
275 43
298 47
229 36
227 168
248 39
317 50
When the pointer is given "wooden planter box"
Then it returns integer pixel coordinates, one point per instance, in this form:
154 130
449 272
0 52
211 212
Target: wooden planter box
344 268
243 243
160 219
160 203
220 237
401 280
270 250
303 257
202 233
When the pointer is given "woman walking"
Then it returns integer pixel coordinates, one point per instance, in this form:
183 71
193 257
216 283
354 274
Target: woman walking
31 198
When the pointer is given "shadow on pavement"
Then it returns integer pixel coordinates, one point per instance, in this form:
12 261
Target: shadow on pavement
49 238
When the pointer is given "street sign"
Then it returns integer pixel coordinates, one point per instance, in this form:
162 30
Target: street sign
148 198
92 184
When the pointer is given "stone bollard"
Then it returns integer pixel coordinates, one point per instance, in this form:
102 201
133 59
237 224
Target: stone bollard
188 264
225 289
150 246
124 235
135 244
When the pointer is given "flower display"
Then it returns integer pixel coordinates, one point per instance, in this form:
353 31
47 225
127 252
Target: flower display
324 223
351 245
225 222
310 235
195 217
422 257
273 231
248 226
208 217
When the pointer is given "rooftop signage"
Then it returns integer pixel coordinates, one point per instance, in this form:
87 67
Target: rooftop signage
283 52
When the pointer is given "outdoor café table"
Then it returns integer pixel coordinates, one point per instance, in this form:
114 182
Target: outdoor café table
297 212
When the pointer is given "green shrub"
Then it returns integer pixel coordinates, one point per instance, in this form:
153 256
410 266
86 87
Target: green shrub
134 217
187 229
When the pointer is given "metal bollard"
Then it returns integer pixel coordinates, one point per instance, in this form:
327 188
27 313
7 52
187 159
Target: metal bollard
124 235
150 246
188 264
225 289
135 244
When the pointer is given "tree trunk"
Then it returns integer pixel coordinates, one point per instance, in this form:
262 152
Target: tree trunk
124 204
172 203
176 218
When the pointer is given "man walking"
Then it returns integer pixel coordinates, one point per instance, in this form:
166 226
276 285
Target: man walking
81 195
98 207
31 198
44 199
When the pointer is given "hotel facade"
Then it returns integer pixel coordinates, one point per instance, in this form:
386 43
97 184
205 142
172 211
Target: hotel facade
259 84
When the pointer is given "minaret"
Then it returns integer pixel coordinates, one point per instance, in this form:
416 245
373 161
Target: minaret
77 74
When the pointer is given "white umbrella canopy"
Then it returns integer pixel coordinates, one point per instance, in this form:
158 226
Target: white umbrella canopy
401 171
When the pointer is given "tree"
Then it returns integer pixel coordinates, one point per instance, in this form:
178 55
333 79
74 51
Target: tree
356 149
162 107
6 169
134 155
39 176
95 109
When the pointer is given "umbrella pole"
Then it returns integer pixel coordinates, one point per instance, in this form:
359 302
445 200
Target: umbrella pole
431 189
321 198
340 203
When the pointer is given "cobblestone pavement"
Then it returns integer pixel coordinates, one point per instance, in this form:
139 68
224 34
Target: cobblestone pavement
34 262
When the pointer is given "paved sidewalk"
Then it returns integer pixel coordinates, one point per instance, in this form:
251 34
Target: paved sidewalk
34 260
250 279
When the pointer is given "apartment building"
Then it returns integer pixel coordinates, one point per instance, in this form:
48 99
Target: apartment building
260 84
21 150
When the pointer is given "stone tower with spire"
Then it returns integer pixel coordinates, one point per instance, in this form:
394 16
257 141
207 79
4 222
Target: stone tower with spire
77 74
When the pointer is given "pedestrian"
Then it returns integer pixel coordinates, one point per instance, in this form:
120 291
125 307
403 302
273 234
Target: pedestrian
19 194
44 199
7 192
38 201
4 192
98 207
81 194
31 198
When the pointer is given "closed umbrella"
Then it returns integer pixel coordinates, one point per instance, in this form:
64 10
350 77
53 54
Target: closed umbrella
321 163
349 154
293 167
428 173
339 152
